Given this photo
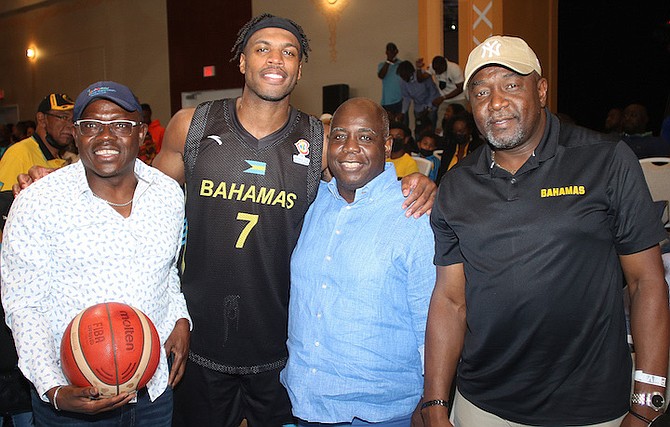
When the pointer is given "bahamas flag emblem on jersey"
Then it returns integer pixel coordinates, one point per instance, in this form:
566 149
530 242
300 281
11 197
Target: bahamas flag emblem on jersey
257 168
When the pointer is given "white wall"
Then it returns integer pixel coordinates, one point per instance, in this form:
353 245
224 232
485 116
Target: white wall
82 41
364 28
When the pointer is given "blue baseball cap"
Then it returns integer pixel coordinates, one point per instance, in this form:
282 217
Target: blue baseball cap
116 92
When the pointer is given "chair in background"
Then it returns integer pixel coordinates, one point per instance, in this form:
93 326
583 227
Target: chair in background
657 174
425 165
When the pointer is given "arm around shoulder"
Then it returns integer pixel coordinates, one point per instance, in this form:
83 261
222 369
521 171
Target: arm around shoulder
170 160
420 192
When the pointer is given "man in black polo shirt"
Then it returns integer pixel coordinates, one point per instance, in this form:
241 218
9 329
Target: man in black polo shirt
531 266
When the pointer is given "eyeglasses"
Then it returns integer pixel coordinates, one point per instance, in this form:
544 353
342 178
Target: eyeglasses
61 118
90 127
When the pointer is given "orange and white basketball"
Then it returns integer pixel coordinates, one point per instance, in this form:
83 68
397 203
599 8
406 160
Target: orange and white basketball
111 346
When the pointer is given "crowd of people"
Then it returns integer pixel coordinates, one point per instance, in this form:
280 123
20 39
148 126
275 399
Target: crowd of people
313 277
436 94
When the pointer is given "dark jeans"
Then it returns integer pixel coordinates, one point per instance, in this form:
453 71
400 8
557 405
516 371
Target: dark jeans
143 413
23 419
393 108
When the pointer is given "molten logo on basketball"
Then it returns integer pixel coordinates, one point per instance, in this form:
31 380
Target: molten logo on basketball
128 330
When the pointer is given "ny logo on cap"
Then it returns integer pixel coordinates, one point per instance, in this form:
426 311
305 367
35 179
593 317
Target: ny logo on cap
492 48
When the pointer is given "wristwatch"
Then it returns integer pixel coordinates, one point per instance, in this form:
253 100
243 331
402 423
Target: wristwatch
654 400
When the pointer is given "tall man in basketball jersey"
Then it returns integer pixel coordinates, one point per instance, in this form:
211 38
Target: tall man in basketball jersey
256 172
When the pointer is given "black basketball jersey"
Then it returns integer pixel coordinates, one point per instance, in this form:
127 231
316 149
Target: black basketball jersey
245 203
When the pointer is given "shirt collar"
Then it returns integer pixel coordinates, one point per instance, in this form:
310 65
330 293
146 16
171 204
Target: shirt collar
372 189
143 173
43 148
545 150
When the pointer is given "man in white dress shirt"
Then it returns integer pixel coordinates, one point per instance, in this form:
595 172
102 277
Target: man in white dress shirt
107 228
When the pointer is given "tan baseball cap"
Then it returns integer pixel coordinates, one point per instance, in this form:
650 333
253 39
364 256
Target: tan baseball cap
510 52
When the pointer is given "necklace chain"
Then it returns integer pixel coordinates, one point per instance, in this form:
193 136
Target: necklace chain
493 159
116 205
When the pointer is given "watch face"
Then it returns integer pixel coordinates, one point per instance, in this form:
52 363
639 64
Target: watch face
657 400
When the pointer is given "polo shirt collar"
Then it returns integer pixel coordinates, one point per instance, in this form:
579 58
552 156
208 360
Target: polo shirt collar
545 150
43 147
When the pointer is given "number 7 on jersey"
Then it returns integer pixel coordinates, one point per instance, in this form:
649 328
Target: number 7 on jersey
253 220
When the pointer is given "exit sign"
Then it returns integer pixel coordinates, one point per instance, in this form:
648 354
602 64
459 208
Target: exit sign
209 71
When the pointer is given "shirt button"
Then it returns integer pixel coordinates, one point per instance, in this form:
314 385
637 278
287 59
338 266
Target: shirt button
324 286
328 258
318 315
316 344
338 232
314 370
513 180
348 207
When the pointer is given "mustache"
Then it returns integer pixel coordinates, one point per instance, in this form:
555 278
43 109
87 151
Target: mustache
497 117
275 69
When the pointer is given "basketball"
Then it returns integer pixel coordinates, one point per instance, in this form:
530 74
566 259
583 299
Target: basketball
111 346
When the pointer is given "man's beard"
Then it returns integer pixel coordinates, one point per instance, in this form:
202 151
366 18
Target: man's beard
272 97
515 140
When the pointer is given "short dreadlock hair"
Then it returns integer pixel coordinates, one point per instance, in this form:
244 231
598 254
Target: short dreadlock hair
243 36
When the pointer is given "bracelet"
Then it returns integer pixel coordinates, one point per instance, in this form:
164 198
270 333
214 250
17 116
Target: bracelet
651 379
440 402
55 397
640 417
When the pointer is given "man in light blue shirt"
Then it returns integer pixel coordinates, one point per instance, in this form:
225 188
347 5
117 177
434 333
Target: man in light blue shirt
418 88
361 280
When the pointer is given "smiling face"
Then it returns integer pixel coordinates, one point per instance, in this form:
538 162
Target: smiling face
358 145
271 64
107 155
508 107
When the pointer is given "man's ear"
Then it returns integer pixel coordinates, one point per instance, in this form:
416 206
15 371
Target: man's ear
542 87
41 118
144 128
387 146
243 63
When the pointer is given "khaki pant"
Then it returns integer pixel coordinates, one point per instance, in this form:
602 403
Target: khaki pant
465 414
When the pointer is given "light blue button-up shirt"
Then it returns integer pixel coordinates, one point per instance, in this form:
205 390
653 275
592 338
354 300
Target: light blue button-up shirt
421 92
361 280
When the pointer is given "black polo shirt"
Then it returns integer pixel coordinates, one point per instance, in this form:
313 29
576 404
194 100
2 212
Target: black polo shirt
546 339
